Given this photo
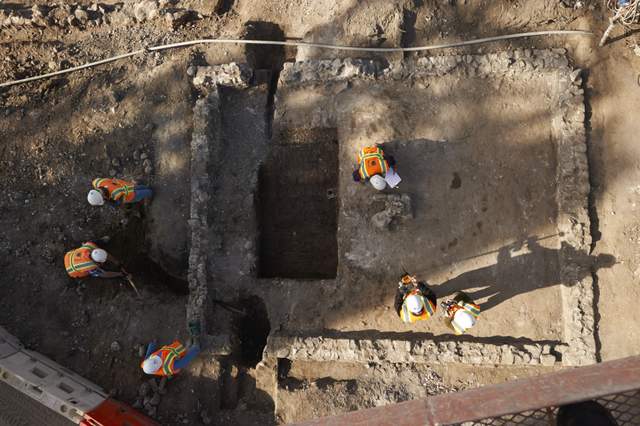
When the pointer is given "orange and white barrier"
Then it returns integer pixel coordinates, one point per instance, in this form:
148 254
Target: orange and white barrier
61 390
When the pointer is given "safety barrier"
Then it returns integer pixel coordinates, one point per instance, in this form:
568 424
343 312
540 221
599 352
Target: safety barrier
114 413
61 390
49 383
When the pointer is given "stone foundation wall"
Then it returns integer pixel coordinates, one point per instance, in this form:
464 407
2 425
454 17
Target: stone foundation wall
378 350
578 346
510 63
206 125
206 143
573 220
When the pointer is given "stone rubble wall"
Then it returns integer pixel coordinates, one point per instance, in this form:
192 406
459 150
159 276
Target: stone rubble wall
320 348
206 129
206 144
572 197
510 63
120 14
231 74
573 220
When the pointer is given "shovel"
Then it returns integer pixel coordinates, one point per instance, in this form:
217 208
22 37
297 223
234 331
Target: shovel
131 282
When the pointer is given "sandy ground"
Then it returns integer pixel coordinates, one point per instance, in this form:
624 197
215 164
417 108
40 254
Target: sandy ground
614 93
58 134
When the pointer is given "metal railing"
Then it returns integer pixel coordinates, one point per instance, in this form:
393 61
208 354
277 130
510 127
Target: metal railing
531 401
624 407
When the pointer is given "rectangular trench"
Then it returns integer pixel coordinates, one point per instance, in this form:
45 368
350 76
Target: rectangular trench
298 206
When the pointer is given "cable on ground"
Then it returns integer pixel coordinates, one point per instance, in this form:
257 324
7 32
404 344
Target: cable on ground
299 44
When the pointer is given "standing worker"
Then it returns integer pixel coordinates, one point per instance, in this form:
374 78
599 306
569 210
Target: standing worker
373 166
88 261
169 359
117 191
461 313
414 301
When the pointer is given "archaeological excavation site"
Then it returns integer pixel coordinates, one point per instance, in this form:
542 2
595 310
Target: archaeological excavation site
234 212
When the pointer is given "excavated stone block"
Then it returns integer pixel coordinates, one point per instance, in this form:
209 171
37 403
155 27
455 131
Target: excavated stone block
232 74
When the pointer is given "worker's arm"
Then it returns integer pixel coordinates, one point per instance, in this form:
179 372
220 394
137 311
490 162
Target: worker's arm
185 360
427 292
356 175
397 303
462 297
391 160
150 349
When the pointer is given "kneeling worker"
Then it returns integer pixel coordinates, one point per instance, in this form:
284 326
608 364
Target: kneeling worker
169 359
461 313
117 191
373 166
88 261
414 301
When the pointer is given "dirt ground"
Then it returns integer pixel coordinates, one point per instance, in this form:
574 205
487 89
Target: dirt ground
133 118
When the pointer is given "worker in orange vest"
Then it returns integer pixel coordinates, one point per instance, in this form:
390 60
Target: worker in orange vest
373 165
169 359
414 301
117 191
88 261
461 313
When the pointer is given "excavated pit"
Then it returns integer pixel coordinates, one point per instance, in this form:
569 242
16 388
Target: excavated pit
497 189
297 206
489 210
253 329
130 244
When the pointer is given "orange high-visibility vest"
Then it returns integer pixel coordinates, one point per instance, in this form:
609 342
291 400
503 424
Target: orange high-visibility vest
372 162
428 308
117 189
78 262
472 308
169 354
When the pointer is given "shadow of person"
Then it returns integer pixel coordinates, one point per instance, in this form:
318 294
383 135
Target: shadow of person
514 274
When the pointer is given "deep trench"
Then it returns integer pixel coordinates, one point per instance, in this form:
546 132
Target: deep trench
408 36
297 206
253 328
266 61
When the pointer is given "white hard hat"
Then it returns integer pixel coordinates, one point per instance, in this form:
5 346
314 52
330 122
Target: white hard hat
378 182
151 364
463 320
99 255
95 198
414 304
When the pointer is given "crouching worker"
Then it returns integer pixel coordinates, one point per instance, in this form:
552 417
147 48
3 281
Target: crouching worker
89 260
461 313
117 192
373 166
414 301
169 359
